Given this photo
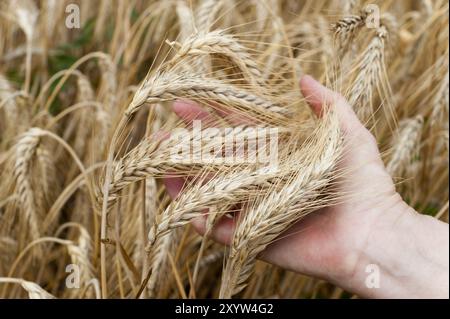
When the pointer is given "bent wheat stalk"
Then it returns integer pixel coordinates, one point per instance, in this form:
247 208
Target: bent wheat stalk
34 290
160 157
272 214
405 145
166 86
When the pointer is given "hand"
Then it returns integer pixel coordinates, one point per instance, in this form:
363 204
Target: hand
338 242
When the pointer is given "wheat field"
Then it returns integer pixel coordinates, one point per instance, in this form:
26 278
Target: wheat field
85 116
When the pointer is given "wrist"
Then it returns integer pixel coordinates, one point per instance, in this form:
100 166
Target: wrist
381 261
402 257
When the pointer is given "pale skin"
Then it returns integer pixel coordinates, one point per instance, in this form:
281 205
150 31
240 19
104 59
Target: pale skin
373 227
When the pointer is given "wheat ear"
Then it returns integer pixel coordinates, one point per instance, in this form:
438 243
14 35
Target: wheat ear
275 212
169 86
346 28
405 145
370 75
25 150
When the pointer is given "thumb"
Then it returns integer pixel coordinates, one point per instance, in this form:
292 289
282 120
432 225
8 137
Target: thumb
319 98
361 144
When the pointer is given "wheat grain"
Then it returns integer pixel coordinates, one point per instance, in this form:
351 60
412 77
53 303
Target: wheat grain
279 209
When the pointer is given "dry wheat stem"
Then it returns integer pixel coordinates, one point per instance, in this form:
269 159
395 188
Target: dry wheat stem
169 86
275 212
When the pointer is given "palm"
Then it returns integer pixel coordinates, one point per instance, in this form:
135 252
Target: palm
328 241
333 236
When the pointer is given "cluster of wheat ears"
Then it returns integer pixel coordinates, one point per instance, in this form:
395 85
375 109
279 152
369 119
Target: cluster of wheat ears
84 210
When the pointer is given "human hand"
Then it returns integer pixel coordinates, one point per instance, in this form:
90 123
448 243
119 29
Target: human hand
370 226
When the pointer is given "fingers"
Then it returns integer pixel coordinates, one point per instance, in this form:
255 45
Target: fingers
319 98
174 185
232 117
222 231
315 94
361 146
189 111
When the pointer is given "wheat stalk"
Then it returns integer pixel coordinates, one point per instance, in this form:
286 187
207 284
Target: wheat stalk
170 86
370 75
25 150
34 290
405 145
274 213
